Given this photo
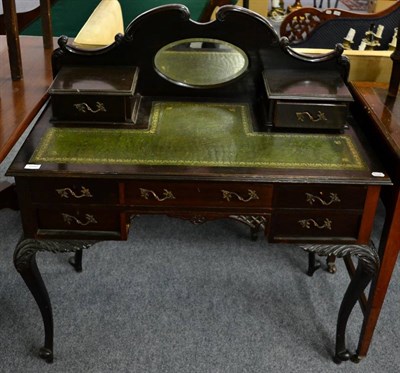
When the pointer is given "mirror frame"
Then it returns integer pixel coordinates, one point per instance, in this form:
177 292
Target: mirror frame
195 83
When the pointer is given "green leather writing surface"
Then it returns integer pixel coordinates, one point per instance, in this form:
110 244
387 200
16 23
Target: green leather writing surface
198 134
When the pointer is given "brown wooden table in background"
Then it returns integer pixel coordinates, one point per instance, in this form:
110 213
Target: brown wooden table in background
20 100
381 122
12 32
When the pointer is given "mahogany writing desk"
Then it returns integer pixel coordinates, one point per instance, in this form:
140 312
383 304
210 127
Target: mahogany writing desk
217 143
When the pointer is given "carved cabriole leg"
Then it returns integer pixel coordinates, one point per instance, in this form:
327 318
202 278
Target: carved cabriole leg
368 265
25 263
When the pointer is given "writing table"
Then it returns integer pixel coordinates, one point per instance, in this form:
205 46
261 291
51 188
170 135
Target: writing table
381 121
200 148
21 99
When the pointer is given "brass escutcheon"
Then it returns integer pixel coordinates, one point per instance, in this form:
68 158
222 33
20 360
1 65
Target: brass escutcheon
146 193
306 223
226 194
301 116
83 107
333 198
67 192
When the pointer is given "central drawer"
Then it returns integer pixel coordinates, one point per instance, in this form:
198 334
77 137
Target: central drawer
198 194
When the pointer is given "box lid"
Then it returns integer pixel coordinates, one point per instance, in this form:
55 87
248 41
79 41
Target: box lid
306 85
104 80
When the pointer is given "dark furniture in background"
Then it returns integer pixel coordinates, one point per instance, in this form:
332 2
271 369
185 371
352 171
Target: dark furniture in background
313 28
23 18
12 33
380 114
22 99
208 151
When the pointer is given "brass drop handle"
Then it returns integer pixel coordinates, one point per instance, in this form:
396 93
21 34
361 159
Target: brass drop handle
307 223
301 116
84 107
226 194
69 219
146 193
68 192
312 198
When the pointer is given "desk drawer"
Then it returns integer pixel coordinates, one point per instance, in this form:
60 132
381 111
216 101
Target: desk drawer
74 191
310 115
79 219
195 194
315 225
320 196
94 94
307 98
91 108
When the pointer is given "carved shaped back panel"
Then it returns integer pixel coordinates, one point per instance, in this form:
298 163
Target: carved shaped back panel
153 30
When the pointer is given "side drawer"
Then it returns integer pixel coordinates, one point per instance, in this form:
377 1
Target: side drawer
310 115
69 191
198 194
79 219
320 196
92 108
315 225
94 93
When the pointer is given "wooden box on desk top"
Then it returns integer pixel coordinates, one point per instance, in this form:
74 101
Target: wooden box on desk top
306 99
101 94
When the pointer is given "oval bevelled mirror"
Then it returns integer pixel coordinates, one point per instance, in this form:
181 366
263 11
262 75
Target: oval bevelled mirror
200 62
